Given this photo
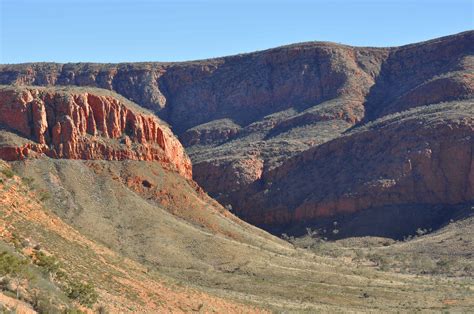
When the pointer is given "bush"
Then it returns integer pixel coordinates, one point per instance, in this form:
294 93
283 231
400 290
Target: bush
27 181
49 264
444 265
44 195
43 304
84 293
381 261
14 267
8 173
11 264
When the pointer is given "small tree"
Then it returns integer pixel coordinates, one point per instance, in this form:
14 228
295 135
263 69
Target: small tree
82 292
49 264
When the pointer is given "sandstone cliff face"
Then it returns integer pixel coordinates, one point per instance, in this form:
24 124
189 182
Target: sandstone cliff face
77 124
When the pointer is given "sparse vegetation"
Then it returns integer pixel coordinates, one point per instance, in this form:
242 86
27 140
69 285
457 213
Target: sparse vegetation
43 303
15 268
27 181
316 269
44 195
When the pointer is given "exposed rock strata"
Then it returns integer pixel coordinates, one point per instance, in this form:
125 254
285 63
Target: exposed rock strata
83 125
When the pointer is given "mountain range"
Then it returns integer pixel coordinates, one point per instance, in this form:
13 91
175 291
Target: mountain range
156 179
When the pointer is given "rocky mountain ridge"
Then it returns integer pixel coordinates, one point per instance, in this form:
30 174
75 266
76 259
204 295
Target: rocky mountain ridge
244 118
312 142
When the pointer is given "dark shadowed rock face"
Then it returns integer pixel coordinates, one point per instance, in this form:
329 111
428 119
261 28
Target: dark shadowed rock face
245 119
423 74
76 124
422 156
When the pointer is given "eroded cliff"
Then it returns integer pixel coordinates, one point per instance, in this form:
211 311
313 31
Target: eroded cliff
78 124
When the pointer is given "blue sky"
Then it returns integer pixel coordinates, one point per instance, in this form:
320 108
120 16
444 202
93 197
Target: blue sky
146 30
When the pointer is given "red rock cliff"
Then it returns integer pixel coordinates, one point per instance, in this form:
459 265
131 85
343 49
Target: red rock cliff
78 124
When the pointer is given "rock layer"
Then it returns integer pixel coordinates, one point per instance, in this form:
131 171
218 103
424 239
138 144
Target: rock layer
76 124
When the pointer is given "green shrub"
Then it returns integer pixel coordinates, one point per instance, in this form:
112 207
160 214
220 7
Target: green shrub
15 267
44 195
27 181
8 173
11 264
381 261
444 265
84 293
49 264
43 304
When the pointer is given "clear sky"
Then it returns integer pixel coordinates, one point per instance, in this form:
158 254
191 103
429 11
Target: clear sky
146 30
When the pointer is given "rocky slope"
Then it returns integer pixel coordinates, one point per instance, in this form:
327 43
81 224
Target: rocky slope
242 117
122 285
77 124
422 156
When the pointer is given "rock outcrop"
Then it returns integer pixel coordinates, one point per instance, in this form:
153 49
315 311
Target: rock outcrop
78 124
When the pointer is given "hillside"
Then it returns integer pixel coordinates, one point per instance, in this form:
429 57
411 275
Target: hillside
386 178
28 230
243 118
